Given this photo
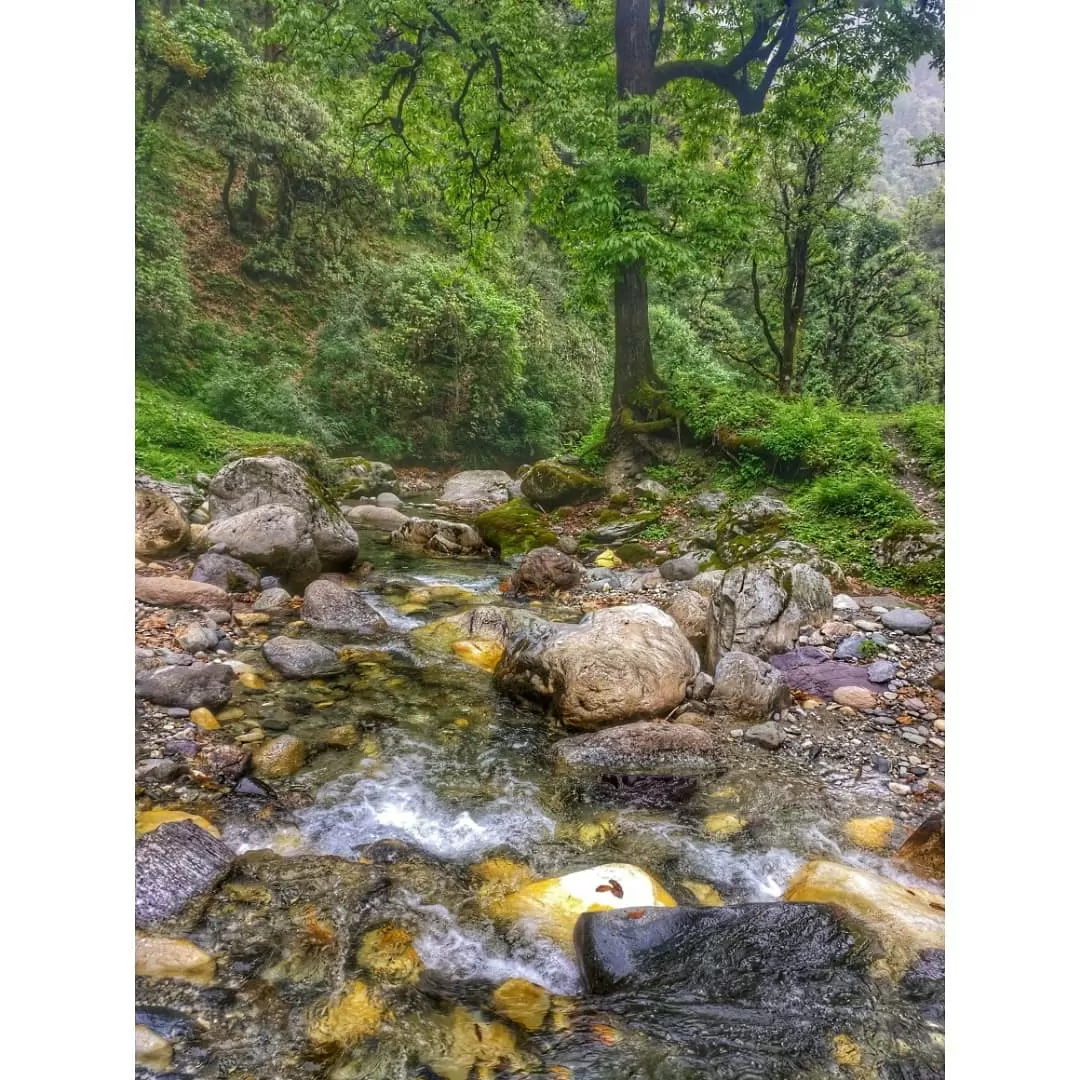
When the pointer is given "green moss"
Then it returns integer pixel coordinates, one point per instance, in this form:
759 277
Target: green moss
514 528
868 649
551 483
618 500
634 553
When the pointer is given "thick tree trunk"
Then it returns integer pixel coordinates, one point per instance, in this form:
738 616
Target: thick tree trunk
634 371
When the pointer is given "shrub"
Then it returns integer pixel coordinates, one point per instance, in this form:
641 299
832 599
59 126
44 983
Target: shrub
924 426
864 496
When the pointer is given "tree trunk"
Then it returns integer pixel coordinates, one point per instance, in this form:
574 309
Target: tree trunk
634 371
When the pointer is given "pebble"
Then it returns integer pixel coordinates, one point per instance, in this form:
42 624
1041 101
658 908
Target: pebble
251 736
885 720
736 733
919 770
899 789
178 711
939 743
889 695
881 671
911 737
939 724
177 659
219 615
160 769
869 625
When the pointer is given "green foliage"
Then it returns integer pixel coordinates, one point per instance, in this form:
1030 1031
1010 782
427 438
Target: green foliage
865 496
868 649
924 428
175 440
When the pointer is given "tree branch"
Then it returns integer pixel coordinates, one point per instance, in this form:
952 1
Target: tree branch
776 351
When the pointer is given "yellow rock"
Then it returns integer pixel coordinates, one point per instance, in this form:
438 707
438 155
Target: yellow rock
204 719
151 1050
871 833
247 892
389 954
608 559
728 794
724 824
369 747
412 609
482 654
355 1014
704 894
343 736
231 715
523 1002
906 920
497 878
148 820
846 1051
252 618
555 903
251 680
461 722
281 756
173 958
595 832
471 1044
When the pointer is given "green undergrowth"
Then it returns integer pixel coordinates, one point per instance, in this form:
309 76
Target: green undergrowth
924 428
174 439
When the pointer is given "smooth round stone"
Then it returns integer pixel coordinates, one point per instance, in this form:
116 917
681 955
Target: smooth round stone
881 671
843 602
907 620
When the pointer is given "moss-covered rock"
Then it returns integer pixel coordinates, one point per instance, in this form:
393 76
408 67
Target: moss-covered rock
514 528
633 554
551 483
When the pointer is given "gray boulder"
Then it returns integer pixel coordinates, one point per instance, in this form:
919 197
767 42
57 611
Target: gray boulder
849 648
476 490
652 489
684 567
435 537
647 747
254 482
383 518
769 736
275 539
272 600
909 620
200 686
226 573
709 502
329 606
388 498
691 611
881 671
184 495
617 664
619 532
297 658
747 688
176 866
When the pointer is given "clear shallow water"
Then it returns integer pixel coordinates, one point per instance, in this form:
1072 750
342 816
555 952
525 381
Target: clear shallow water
457 774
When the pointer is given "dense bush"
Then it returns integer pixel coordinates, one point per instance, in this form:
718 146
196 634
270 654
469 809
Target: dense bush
862 495
924 427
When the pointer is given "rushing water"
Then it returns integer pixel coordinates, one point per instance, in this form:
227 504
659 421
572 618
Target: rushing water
454 774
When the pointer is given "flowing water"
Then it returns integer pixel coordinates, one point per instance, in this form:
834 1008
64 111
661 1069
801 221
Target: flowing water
444 775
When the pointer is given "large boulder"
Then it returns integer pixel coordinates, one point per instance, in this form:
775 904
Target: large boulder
255 482
554 905
647 747
617 664
486 623
179 592
368 516
275 539
297 658
198 686
359 478
748 529
759 610
747 688
691 611
226 573
161 529
905 920
176 866
329 606
435 537
513 528
544 570
476 490
552 483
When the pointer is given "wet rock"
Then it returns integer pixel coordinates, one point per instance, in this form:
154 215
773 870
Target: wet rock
647 747
486 623
179 592
808 668
476 490
523 1002
769 736
924 984
220 763
549 484
881 671
279 757
156 770
858 697
161 529
297 658
356 1013
905 920
168 1023
196 638
275 539
871 833
271 600
723 823
482 654
747 688
259 482
553 905
148 820
908 620
760 611
226 573
328 606
173 958
151 1050
645 792
382 518
546 569
923 852
176 865
617 664
199 686
438 537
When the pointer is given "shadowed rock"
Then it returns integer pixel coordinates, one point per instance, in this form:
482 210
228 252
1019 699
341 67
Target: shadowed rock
647 747
200 686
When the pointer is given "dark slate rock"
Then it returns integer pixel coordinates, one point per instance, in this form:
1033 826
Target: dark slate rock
269 582
808 668
709 502
206 686
175 865
225 572
168 1023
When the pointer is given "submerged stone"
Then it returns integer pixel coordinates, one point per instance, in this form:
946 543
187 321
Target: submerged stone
647 747
523 1002
173 958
